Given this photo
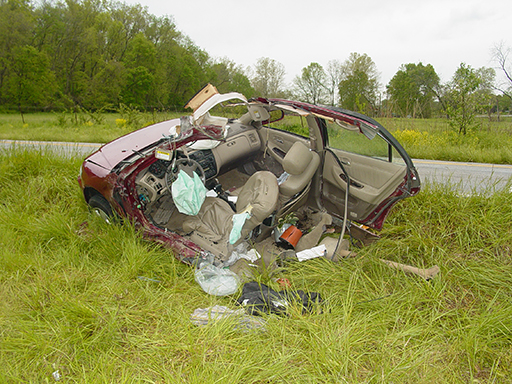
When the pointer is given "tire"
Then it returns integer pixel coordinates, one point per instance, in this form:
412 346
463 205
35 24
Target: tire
101 207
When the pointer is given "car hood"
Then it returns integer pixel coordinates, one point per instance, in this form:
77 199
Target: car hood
111 154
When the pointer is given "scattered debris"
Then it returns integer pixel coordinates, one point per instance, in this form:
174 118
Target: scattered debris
204 316
427 274
362 234
259 299
56 375
312 253
215 280
284 282
144 278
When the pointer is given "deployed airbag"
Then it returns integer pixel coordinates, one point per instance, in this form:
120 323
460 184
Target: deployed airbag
188 193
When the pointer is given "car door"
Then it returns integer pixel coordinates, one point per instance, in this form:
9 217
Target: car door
365 159
280 135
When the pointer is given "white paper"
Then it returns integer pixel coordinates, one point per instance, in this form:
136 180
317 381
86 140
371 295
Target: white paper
312 253
252 255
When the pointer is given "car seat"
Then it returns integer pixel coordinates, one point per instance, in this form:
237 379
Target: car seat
300 164
211 227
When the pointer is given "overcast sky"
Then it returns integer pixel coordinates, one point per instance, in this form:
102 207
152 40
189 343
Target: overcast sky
443 33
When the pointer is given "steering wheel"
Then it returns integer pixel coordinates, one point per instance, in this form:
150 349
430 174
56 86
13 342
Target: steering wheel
188 166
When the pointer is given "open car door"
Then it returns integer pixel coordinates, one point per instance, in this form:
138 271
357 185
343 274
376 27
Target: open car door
363 157
360 157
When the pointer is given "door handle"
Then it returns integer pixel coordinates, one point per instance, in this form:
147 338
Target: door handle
345 161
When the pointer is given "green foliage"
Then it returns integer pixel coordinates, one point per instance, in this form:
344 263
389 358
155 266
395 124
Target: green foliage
359 85
435 139
469 90
72 300
138 85
16 24
229 77
310 86
31 81
93 53
412 90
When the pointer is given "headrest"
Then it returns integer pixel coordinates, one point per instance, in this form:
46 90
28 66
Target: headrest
297 159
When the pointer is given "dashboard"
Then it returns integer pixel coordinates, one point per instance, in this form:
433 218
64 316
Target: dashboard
242 142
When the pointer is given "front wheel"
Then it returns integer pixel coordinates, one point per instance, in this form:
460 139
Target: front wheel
101 207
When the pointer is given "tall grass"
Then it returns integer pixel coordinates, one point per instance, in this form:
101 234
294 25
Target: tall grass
490 142
71 299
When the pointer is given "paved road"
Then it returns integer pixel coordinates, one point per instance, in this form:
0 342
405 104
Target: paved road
465 177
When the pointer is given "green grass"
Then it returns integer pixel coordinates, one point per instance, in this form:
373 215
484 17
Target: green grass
83 127
490 142
71 299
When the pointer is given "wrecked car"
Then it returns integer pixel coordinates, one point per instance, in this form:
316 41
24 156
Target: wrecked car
205 183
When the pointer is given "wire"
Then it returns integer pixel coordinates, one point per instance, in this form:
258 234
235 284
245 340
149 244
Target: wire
345 213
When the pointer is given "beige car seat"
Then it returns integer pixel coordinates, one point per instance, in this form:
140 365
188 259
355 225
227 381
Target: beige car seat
213 224
301 164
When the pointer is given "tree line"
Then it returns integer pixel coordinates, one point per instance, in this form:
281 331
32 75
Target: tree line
414 91
103 55
97 54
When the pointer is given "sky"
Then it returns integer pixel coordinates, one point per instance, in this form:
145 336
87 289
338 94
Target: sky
443 33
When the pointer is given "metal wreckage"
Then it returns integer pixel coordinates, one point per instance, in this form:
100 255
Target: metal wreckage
229 194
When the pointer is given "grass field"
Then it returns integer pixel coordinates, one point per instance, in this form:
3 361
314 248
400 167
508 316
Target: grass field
490 142
72 301
90 128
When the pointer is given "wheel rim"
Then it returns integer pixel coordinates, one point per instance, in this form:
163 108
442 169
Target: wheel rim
102 214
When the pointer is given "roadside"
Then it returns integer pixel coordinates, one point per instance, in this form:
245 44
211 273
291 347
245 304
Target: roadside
463 176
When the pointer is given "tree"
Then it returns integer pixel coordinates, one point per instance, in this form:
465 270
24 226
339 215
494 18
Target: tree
310 86
359 86
485 97
16 21
412 90
32 82
230 77
105 52
500 56
268 79
106 86
334 74
465 93
138 86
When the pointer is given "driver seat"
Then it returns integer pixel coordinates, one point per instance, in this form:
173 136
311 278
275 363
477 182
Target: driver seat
211 227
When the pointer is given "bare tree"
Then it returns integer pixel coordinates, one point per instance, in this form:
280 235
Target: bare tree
500 56
268 78
334 75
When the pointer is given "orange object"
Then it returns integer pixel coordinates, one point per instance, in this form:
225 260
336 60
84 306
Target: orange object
291 235
284 283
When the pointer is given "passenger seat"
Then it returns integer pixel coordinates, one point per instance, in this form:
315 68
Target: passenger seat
301 164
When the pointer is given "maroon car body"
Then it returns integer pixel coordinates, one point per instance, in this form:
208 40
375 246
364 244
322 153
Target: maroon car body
128 178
